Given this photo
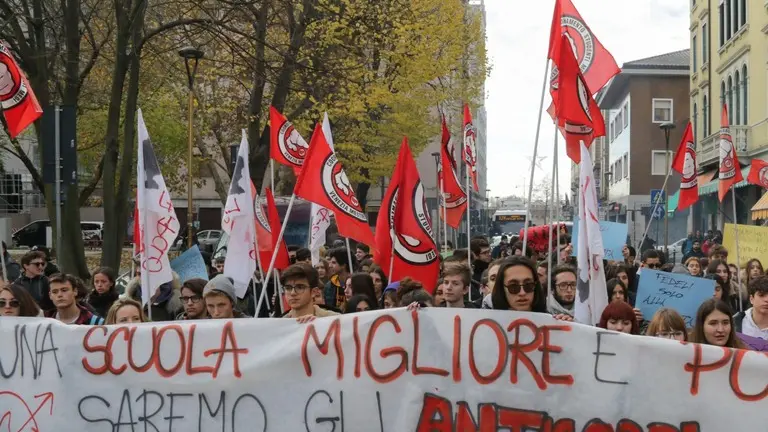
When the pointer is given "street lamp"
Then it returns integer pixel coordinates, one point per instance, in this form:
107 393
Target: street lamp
667 128
438 191
191 56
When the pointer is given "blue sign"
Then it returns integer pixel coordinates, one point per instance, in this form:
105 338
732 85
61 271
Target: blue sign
680 292
658 194
614 236
190 265
658 211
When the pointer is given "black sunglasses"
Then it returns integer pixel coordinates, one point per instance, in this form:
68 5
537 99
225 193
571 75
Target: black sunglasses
527 287
12 303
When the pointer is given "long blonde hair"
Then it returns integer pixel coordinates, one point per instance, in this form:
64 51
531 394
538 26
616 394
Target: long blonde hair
120 303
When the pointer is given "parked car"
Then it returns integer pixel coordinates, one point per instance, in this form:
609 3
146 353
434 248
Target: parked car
675 249
35 233
207 239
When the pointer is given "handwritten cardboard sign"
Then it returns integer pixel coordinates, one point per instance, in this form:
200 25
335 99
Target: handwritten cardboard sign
683 293
190 265
384 371
614 237
752 241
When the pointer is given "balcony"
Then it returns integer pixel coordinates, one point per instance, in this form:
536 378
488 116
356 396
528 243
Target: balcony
709 147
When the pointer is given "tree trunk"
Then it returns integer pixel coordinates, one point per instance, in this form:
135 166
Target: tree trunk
112 246
257 152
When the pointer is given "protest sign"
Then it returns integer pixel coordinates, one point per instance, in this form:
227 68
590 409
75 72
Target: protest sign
614 237
190 265
683 293
752 241
393 371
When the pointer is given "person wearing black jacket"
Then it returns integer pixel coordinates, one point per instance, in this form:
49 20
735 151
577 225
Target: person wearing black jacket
34 280
50 267
694 252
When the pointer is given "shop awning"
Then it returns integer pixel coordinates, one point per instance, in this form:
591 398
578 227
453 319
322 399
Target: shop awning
760 209
672 202
712 185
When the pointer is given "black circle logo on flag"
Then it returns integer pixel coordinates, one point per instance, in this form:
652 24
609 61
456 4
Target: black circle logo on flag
763 176
451 201
261 218
292 145
582 44
470 151
339 190
410 249
12 87
689 179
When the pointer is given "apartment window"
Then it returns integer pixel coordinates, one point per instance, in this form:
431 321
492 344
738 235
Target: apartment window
743 15
625 161
694 59
625 115
617 172
744 80
619 123
721 13
705 118
704 43
695 119
610 132
737 99
728 32
659 161
734 16
729 99
662 110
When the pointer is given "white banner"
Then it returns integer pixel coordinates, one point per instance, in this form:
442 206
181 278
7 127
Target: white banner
434 370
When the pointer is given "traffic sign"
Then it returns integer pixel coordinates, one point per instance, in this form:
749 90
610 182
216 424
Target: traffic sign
658 212
658 194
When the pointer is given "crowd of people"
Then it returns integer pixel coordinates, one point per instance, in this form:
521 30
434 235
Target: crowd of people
507 277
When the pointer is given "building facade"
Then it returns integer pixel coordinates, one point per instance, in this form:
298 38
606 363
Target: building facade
647 94
728 57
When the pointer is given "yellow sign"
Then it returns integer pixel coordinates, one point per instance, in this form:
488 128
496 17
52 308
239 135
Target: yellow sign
753 241
510 218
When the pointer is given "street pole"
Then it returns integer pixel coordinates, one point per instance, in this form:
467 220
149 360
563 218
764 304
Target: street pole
190 54
667 128
57 189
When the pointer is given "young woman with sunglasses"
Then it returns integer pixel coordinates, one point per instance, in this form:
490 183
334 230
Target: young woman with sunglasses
16 301
517 287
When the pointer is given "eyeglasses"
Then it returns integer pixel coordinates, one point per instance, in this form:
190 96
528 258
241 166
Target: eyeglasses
653 265
527 287
12 303
193 299
670 335
566 286
38 263
298 289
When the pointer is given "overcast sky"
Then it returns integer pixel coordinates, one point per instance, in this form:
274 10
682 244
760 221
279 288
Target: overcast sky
518 36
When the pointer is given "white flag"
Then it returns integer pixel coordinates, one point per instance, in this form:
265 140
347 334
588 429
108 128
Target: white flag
159 226
320 217
238 223
592 295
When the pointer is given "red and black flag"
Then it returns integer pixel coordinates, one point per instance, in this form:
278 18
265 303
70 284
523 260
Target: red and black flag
685 164
20 106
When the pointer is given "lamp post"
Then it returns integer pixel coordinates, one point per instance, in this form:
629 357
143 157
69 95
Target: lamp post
191 56
667 128
436 155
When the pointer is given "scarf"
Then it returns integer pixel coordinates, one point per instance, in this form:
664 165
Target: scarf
555 308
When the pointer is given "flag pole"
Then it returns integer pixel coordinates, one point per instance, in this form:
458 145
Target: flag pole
550 264
736 239
143 237
349 255
469 230
274 253
655 206
258 265
535 151
272 175
391 264
557 201
445 213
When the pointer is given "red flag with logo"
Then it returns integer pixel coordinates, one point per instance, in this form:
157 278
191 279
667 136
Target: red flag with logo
454 202
730 170
469 149
20 106
267 231
685 164
404 228
758 173
137 244
575 108
595 62
286 145
324 182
